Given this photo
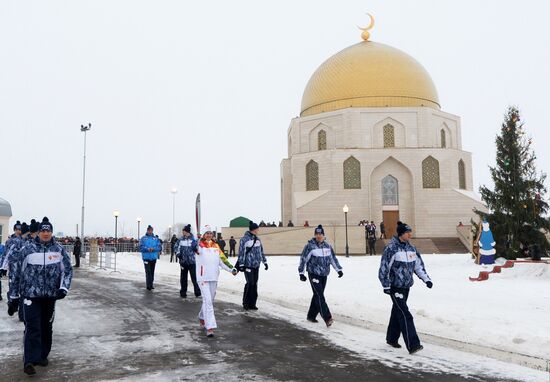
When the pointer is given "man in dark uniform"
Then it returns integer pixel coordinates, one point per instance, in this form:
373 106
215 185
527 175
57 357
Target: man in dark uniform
40 274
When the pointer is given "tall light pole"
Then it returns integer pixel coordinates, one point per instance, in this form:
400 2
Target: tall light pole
174 191
83 129
116 214
139 223
346 210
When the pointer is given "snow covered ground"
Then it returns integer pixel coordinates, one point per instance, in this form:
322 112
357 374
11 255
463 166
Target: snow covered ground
510 312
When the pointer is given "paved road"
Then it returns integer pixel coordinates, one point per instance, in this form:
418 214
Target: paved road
113 328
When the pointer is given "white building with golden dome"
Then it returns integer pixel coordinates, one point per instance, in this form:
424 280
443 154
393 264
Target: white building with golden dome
371 134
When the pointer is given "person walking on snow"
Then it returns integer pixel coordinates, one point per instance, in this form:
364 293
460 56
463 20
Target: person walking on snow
251 255
150 246
317 257
40 274
185 249
400 260
209 260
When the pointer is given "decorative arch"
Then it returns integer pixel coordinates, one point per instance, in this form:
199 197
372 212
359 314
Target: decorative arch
312 176
461 175
321 137
390 191
430 173
352 173
382 132
322 140
391 167
443 138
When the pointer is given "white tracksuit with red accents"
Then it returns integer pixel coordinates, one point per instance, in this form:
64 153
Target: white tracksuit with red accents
209 259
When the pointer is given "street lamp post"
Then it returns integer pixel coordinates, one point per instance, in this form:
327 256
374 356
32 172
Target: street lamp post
174 191
83 129
139 223
116 213
346 210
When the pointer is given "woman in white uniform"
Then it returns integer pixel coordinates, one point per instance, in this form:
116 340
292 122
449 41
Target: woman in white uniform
209 259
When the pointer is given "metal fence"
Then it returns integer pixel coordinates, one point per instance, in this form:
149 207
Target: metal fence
105 256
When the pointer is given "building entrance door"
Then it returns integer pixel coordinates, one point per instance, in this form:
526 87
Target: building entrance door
390 222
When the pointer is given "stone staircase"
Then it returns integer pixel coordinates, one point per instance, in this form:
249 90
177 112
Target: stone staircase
440 245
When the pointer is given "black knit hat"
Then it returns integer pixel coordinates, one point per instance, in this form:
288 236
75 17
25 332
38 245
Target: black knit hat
402 228
320 230
45 225
252 226
17 226
33 227
24 228
149 227
187 228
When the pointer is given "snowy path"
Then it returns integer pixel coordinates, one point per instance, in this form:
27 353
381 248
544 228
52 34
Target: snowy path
111 328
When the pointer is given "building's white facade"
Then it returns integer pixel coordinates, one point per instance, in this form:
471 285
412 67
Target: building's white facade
387 163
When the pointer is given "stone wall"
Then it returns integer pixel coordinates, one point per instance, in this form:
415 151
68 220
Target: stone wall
291 241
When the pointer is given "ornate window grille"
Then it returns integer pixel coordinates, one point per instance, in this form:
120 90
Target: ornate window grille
322 140
352 174
389 136
390 191
430 173
312 176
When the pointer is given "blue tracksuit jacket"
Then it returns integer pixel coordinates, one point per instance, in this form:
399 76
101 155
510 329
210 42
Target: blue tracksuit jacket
146 242
400 260
251 251
185 250
317 258
39 269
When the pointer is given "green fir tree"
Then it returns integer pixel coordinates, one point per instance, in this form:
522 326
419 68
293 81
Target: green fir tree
517 206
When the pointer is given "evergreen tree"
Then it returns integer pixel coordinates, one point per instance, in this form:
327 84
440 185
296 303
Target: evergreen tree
516 204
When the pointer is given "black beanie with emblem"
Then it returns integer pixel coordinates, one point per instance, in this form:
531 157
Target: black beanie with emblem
45 225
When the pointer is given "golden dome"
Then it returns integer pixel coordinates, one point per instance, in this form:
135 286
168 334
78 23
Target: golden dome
369 74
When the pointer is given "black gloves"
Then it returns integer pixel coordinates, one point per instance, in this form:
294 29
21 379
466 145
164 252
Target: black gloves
13 306
387 290
60 294
3 272
340 274
239 266
303 278
266 267
429 284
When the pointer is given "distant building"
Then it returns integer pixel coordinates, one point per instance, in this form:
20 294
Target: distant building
5 215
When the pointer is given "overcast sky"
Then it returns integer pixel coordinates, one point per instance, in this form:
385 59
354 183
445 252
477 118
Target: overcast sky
199 95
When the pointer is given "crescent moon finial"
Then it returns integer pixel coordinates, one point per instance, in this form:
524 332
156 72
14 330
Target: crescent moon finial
366 34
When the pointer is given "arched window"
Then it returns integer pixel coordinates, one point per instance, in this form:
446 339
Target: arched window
461 175
390 191
389 136
352 174
322 140
443 139
312 176
430 173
